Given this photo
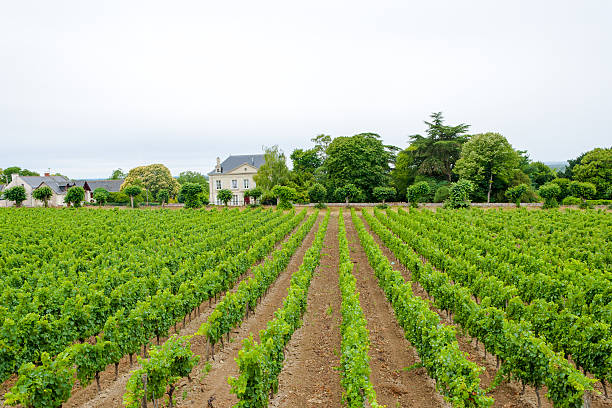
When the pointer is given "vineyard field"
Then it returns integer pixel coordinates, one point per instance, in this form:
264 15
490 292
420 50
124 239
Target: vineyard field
341 307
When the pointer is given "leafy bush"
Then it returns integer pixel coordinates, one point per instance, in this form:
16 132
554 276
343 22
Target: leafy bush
43 194
16 194
459 194
417 192
101 195
384 193
571 200
514 194
563 183
549 192
75 196
191 194
163 196
441 194
317 194
118 197
349 192
285 196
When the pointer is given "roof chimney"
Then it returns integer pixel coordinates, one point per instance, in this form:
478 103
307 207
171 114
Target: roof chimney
47 174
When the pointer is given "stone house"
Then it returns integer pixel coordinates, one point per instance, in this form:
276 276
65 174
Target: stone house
235 174
58 184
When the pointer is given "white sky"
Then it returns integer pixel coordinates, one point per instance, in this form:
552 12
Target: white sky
89 86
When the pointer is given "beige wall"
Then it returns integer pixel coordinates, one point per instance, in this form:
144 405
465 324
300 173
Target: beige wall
243 172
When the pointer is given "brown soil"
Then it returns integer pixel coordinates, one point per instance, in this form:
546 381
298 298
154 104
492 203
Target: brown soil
507 394
309 377
113 390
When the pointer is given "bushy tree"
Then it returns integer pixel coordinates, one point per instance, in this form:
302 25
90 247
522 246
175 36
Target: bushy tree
484 158
284 196
540 174
153 178
274 171
7 174
404 172
118 174
582 190
194 177
131 191
43 194
75 196
563 184
349 192
417 192
596 168
362 160
317 194
436 154
459 194
191 194
101 196
254 193
515 193
441 195
163 196
550 192
384 193
16 194
224 196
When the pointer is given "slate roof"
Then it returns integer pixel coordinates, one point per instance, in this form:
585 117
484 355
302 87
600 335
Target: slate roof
35 181
112 186
229 164
58 188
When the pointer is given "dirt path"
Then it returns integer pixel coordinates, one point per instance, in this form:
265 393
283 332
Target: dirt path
214 383
113 390
309 377
390 352
506 395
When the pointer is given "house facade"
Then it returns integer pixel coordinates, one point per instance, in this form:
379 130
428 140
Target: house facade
236 175
58 184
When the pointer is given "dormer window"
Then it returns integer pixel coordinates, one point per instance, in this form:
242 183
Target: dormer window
218 169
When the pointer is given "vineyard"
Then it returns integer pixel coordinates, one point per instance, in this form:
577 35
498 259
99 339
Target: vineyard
305 308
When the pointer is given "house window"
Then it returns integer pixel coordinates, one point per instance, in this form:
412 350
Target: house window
218 184
234 183
218 169
246 183
235 199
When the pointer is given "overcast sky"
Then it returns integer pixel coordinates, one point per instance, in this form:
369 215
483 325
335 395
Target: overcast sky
89 86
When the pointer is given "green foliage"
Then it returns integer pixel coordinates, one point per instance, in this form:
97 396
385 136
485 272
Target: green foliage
224 196
404 172
563 184
132 191
550 192
75 196
163 196
194 177
540 174
118 174
596 168
191 194
91 359
436 154
349 192
514 194
6 175
441 194
317 193
417 192
571 200
254 193
153 178
384 193
361 160
45 386
101 195
583 190
274 171
485 158
43 194
165 366
459 194
118 197
16 194
284 195
306 161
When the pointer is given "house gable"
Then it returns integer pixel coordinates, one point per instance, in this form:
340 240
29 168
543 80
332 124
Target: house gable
244 168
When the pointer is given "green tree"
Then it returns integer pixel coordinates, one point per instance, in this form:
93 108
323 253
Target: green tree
43 194
284 196
550 192
582 190
404 172
16 194
568 172
118 174
191 194
486 156
274 171
224 196
596 168
101 196
9 171
163 196
152 178
254 193
361 160
436 154
384 193
563 184
321 142
306 161
348 192
317 194
417 192
131 191
515 193
194 177
540 174
75 196
459 194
